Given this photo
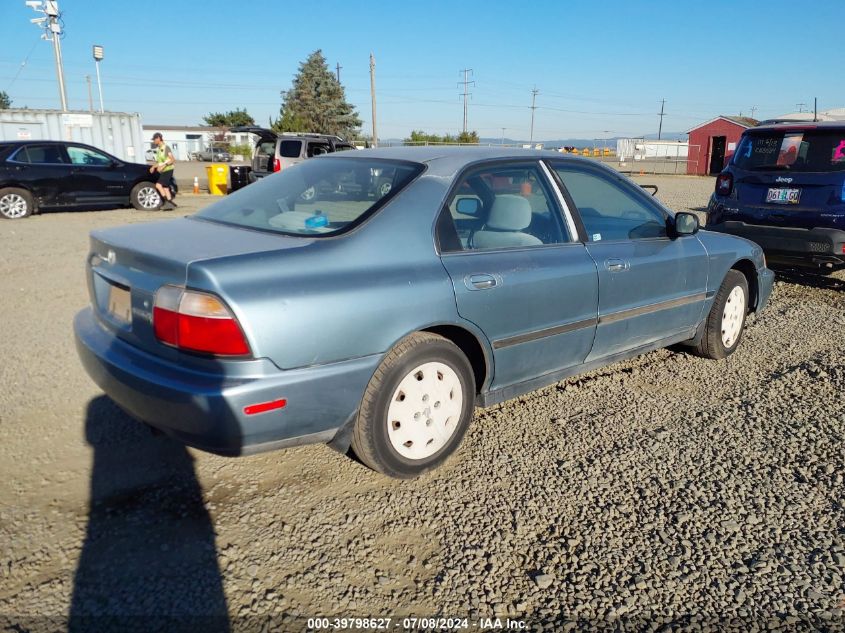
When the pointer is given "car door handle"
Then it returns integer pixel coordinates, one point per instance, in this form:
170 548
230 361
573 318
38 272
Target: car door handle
480 281
616 265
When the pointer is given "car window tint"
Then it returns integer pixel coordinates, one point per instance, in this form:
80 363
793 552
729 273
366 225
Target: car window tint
609 208
85 156
800 150
315 197
40 154
290 149
318 149
503 206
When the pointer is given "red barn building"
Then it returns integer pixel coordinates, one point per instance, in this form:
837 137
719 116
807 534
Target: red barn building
711 144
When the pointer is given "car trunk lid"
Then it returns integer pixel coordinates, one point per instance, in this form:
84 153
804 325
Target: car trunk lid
802 199
127 265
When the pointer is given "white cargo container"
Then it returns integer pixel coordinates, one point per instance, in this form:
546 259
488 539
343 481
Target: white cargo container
118 133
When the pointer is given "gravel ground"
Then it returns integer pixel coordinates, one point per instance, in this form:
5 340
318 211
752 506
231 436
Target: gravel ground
665 490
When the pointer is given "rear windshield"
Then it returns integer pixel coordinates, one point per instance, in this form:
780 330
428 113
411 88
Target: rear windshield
324 196
290 149
792 150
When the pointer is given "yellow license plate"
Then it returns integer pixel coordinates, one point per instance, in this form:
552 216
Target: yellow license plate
120 304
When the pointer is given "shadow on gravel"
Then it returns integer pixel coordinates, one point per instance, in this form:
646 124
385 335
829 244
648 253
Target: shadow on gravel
809 279
149 560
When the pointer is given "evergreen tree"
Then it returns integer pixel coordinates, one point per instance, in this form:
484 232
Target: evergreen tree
232 118
5 101
317 102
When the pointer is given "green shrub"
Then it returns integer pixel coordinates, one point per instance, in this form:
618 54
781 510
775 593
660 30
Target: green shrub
244 150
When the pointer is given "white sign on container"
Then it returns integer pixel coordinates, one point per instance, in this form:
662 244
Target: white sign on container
24 135
79 120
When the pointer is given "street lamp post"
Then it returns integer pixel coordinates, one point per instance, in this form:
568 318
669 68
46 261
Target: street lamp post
98 56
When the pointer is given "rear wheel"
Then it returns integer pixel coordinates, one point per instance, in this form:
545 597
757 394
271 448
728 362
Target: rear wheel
726 320
145 197
416 408
16 203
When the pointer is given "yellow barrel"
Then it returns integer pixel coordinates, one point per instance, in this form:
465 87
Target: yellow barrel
218 178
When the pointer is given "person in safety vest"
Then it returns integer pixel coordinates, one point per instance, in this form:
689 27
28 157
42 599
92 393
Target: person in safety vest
165 162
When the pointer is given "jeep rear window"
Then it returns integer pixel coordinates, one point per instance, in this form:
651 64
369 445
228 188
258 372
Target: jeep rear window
792 150
319 197
290 149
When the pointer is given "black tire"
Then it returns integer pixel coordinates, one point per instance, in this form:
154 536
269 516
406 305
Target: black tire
142 199
712 344
370 438
16 203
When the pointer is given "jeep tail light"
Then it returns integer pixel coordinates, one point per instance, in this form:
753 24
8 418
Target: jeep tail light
197 322
277 164
724 184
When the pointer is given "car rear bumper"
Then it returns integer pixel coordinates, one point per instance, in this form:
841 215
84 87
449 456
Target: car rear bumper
206 410
818 247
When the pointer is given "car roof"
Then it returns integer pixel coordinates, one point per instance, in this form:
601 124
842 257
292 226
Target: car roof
774 125
445 161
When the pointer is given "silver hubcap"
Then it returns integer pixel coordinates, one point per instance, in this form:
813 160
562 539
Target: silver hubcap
384 188
424 410
309 193
148 198
13 206
732 317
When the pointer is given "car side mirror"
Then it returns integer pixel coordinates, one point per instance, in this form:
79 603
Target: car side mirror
686 223
468 206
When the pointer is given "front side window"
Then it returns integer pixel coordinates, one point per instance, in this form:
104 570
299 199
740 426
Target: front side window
39 155
318 149
315 197
85 156
501 206
609 209
796 150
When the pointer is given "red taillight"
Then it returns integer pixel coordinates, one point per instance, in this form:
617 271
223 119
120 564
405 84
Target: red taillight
277 164
724 184
198 322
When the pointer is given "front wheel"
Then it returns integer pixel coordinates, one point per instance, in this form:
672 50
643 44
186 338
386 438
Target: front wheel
726 320
416 408
16 203
145 197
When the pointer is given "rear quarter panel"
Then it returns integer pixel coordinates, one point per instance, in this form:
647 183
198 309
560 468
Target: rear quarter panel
343 297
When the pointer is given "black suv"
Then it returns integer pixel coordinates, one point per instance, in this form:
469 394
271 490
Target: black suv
36 175
274 152
784 188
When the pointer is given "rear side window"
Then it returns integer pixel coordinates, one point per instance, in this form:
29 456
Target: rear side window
315 197
39 154
290 149
792 150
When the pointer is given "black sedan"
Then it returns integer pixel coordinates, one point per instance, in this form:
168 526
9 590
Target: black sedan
37 175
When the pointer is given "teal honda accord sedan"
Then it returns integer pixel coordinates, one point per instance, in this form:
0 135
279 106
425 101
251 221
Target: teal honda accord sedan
319 305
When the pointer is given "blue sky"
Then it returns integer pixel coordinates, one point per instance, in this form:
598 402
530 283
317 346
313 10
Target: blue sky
601 66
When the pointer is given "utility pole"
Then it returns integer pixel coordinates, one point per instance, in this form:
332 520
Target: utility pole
660 127
815 109
800 106
373 96
534 94
90 95
503 136
52 32
338 71
753 110
466 94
